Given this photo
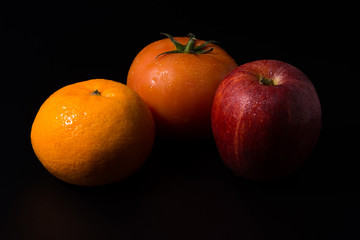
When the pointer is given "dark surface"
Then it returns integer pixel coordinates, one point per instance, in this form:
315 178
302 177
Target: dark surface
183 191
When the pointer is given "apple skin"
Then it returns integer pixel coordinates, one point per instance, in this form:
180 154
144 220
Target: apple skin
265 132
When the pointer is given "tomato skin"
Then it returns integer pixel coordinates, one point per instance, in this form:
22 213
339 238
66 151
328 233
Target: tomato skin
179 87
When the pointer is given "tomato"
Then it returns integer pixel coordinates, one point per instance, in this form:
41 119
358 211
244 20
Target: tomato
177 78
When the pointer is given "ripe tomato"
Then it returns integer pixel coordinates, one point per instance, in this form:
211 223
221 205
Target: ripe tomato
177 78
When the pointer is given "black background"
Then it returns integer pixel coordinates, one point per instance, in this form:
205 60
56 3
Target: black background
183 191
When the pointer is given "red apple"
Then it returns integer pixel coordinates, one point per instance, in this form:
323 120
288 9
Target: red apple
266 119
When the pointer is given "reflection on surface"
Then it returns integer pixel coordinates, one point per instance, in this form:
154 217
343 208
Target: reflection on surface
47 208
181 194
47 212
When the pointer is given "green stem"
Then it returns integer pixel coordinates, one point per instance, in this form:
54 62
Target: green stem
189 48
96 92
266 81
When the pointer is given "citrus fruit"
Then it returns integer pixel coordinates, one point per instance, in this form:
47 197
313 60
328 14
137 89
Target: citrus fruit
93 132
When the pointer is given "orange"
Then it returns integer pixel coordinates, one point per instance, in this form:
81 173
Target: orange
177 78
93 132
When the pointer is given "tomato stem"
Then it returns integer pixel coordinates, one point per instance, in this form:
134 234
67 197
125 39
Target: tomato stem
189 47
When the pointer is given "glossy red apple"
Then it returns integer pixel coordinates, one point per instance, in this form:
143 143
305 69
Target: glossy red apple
266 119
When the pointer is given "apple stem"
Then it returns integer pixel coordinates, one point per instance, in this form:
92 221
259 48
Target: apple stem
189 47
266 81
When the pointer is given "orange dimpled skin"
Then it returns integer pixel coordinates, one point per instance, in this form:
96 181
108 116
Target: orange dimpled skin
179 87
93 132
